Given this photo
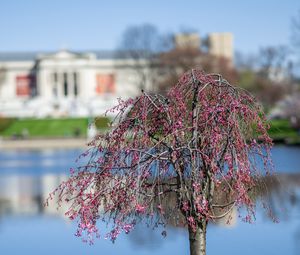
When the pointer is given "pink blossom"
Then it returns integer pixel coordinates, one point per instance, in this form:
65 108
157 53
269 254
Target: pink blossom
127 228
167 154
140 208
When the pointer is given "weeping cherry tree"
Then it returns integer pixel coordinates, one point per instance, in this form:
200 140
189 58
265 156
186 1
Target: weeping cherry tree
198 146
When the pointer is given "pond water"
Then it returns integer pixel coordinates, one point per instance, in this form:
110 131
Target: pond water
26 227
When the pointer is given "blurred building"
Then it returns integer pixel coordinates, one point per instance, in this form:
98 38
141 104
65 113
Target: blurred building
63 83
19 194
187 40
27 194
66 83
221 45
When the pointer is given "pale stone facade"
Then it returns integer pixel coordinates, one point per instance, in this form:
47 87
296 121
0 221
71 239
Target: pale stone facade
64 84
187 40
221 45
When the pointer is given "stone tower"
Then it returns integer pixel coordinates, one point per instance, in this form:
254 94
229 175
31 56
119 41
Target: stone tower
187 40
221 45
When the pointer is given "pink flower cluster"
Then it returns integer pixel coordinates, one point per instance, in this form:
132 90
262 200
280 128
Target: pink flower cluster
166 155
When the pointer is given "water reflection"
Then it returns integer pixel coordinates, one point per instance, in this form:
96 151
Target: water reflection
26 179
25 194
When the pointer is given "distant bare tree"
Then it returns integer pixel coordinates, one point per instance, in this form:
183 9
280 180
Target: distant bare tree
142 43
296 30
178 60
268 92
273 62
295 40
245 62
158 61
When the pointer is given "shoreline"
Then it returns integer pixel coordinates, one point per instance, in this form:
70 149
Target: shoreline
43 143
73 143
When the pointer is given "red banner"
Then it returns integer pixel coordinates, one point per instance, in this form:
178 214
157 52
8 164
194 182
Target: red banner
24 83
105 83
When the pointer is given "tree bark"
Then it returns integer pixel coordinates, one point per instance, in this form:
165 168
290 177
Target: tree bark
198 240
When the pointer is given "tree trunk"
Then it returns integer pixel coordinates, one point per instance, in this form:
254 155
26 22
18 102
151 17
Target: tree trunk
198 240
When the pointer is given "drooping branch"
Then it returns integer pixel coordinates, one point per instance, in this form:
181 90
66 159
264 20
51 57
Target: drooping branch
186 157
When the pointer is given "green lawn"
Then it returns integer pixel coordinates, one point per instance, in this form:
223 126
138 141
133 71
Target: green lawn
77 127
61 127
282 129
67 127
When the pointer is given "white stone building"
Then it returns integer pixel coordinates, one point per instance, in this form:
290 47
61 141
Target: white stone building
63 83
73 84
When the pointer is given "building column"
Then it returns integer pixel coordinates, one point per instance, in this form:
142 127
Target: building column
60 81
70 84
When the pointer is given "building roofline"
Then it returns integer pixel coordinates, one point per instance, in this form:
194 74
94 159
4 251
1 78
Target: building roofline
36 55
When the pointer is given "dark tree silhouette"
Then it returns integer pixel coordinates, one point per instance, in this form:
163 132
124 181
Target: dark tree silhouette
177 61
141 44
296 31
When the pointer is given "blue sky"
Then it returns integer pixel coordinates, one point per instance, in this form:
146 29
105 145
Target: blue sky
90 24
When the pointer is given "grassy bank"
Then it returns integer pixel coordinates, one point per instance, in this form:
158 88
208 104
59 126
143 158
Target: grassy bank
281 130
48 128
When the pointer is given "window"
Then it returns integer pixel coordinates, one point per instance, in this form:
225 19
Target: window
66 84
54 84
55 78
25 85
105 83
75 77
